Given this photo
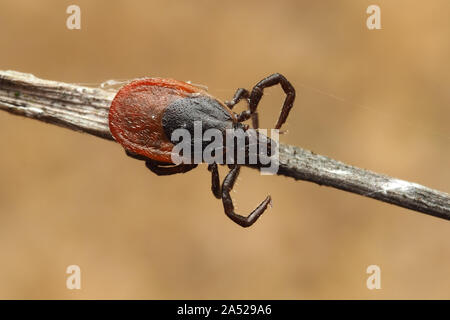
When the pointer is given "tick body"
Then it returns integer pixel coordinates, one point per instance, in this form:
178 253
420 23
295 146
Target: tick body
145 113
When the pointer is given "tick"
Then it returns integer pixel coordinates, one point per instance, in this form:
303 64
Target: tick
145 113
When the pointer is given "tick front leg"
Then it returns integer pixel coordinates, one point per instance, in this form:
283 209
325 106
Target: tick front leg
228 206
244 115
162 170
240 94
257 93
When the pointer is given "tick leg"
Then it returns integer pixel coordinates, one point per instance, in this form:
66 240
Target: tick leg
257 93
244 115
136 156
162 170
215 182
241 93
228 206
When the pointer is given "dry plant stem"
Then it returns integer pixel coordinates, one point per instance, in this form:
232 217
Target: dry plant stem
85 109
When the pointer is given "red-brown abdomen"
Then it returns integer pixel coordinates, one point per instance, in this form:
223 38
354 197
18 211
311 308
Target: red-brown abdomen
135 116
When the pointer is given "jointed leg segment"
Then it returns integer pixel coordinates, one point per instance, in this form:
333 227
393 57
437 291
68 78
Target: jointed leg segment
161 169
241 93
254 97
228 206
257 93
215 181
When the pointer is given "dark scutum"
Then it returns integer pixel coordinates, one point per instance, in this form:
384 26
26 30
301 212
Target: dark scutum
182 113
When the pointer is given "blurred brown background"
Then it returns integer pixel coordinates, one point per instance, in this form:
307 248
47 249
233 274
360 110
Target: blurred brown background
70 198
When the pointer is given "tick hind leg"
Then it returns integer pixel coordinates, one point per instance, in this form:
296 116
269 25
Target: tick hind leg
136 156
161 169
228 206
168 169
257 92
